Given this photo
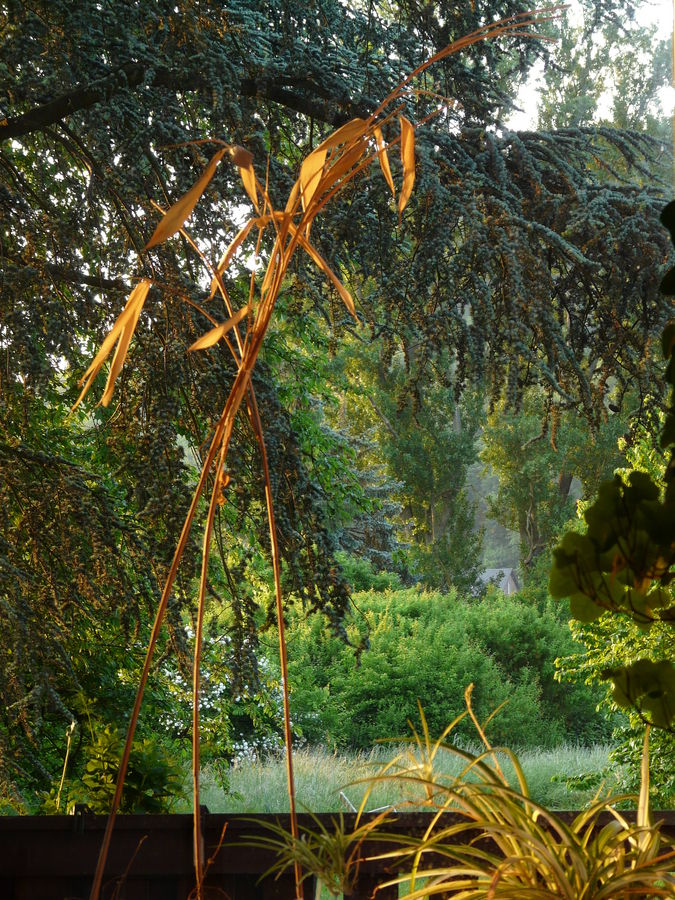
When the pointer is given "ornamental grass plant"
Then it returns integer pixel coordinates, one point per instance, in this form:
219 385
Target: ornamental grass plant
500 842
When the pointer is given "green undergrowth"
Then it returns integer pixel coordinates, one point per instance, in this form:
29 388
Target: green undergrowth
259 786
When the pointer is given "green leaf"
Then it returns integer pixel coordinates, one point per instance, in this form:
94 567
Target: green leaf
584 609
648 686
667 285
668 337
642 487
561 580
601 515
668 433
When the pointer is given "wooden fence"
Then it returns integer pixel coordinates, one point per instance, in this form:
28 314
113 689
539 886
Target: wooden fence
53 857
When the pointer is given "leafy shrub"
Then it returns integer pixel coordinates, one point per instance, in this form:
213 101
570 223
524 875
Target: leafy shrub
361 576
407 645
524 638
624 562
606 644
153 783
619 573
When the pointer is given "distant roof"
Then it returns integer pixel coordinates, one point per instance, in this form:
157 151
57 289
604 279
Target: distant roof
506 578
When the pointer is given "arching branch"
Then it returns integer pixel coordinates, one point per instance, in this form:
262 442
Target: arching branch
132 75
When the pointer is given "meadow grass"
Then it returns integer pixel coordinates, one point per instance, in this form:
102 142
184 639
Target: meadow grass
259 786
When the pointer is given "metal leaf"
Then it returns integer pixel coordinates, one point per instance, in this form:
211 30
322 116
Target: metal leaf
174 217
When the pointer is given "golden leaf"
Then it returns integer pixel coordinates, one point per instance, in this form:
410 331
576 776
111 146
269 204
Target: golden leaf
347 132
310 175
232 248
121 331
340 165
222 482
175 216
276 260
240 156
214 335
384 159
292 197
408 160
248 180
326 269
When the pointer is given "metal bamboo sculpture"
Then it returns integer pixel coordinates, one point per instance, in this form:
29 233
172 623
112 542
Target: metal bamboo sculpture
323 174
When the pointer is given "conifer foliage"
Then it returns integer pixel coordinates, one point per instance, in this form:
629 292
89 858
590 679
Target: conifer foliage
512 262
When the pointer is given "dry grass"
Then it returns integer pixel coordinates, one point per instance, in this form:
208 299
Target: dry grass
259 785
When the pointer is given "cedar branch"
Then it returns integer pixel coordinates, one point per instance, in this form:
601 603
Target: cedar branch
132 75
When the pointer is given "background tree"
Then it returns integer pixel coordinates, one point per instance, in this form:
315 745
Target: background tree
513 264
602 74
425 440
609 75
537 453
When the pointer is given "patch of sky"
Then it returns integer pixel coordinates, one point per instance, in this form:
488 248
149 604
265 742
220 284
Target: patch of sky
658 13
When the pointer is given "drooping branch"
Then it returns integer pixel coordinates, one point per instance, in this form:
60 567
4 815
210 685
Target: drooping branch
74 276
333 112
130 75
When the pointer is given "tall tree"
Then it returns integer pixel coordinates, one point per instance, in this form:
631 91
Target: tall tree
426 440
601 75
513 262
537 452
611 75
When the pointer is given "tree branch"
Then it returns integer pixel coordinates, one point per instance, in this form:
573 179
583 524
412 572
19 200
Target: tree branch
381 416
74 276
128 76
132 75
97 281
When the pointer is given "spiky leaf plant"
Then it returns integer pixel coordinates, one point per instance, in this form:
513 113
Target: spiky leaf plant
502 844
488 839
332 856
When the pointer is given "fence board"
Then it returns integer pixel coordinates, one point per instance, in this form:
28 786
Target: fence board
54 857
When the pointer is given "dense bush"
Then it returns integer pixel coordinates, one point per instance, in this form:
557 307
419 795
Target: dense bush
407 645
154 782
360 574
